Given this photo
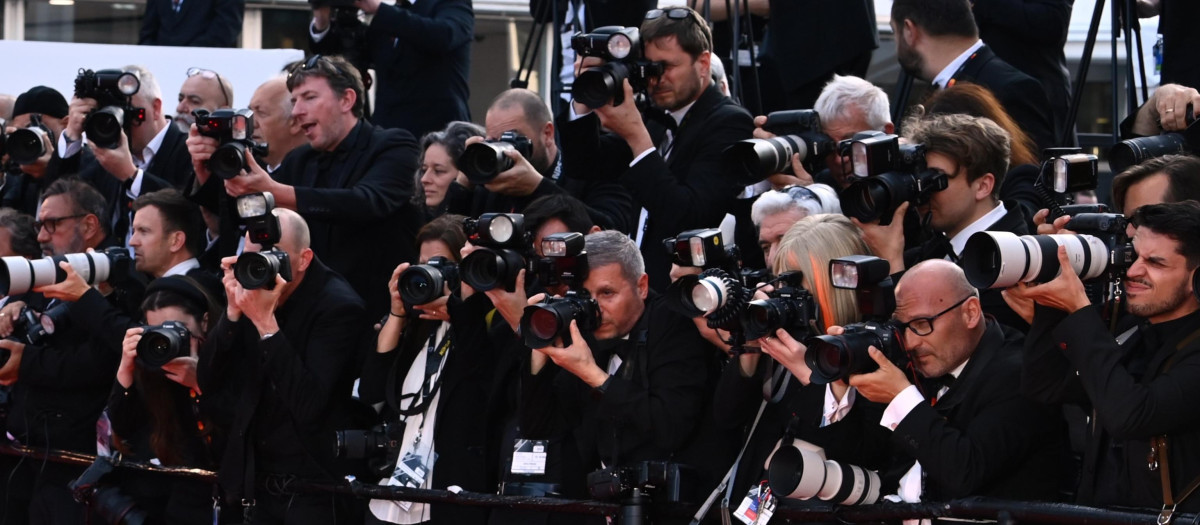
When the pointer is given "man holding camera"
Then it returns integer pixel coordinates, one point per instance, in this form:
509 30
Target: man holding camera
204 89
1140 380
671 163
421 53
970 432
972 153
630 391
524 112
344 182
149 156
59 385
286 353
43 111
937 41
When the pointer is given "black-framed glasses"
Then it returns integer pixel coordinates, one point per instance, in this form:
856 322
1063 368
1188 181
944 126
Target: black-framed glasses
923 326
677 13
52 224
314 62
211 75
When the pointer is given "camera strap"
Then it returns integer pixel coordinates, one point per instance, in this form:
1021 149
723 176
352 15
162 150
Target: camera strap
1159 458
726 484
435 360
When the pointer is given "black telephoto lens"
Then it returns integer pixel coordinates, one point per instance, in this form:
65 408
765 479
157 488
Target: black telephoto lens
25 146
421 285
598 86
1131 152
256 270
874 199
485 269
104 127
228 161
482 161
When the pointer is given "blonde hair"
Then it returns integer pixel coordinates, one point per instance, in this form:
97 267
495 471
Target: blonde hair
808 246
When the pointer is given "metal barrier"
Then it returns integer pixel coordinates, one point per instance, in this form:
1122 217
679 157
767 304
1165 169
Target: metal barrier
789 511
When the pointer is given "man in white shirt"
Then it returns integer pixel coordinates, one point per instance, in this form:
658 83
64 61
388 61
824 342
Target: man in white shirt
969 430
168 234
937 41
973 153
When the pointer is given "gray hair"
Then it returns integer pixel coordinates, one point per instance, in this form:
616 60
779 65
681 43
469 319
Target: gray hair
813 199
843 93
149 90
611 246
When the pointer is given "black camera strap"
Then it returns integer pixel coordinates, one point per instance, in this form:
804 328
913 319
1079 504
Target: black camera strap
1159 459
435 360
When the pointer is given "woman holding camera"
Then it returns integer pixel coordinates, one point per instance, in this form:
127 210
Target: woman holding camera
440 151
791 406
156 409
434 376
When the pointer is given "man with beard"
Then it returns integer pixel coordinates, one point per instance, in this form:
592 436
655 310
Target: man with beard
204 89
937 41
524 112
1140 381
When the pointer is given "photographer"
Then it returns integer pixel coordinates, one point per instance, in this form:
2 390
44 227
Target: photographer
204 89
775 213
436 362
629 391
157 410
149 155
793 403
671 164
973 154
59 387
1170 178
45 109
345 182
1139 378
440 151
421 53
968 430
542 173
286 354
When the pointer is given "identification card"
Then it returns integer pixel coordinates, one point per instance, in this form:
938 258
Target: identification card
529 456
410 472
757 508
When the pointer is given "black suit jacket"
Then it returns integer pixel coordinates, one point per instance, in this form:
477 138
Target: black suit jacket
199 23
1021 95
690 190
1144 388
797 29
357 201
983 437
291 389
1031 35
422 59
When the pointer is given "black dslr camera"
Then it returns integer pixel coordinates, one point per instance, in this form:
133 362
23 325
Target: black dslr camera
834 357
106 500
233 128
425 283
28 144
565 262
790 307
255 270
379 446
482 161
33 328
113 91
891 174
162 343
718 293
621 48
636 486
502 243
797 131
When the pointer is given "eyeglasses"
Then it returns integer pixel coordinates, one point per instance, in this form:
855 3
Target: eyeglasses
923 326
211 75
52 224
317 62
678 13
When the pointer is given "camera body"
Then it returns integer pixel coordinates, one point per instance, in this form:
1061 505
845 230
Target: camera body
890 174
34 329
113 91
162 343
379 446
425 283
667 481
544 322
233 129
502 246
621 49
255 270
834 357
796 132
483 161
789 306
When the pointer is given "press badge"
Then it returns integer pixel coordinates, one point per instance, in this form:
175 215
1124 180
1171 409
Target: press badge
410 472
529 456
757 508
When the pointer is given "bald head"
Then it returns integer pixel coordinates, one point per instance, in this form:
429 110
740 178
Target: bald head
293 229
942 314
937 275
